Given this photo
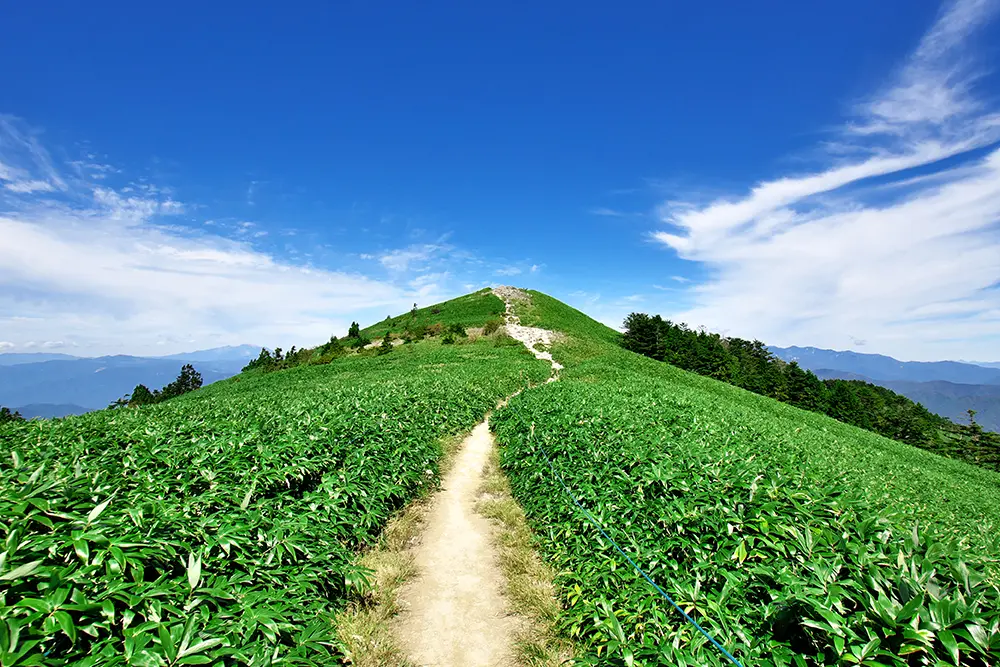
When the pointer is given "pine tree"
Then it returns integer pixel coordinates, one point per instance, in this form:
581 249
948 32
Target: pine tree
386 346
141 395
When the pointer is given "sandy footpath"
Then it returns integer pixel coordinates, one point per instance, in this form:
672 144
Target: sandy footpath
453 613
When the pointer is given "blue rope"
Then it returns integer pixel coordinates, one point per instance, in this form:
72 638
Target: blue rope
631 562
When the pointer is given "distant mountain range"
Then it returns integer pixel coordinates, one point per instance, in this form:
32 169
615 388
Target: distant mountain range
880 367
12 358
55 385
948 388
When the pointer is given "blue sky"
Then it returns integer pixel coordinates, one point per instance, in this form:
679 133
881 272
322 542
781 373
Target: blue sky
189 176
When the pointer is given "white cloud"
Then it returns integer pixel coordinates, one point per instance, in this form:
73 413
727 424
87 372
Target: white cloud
429 284
508 271
121 288
608 212
99 272
414 256
24 187
535 268
825 258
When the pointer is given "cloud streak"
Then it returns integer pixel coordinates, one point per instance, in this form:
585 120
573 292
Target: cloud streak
99 270
912 269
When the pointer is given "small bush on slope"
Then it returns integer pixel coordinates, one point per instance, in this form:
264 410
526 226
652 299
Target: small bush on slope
220 526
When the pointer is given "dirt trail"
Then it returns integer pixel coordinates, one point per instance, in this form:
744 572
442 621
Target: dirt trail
530 336
454 614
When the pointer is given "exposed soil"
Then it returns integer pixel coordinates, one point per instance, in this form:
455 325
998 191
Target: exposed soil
453 613
530 336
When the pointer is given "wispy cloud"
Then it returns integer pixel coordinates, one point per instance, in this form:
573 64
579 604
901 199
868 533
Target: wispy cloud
608 212
806 258
413 257
101 270
27 186
508 271
25 166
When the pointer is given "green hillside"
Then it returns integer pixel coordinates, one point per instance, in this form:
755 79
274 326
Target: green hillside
760 517
221 526
224 526
471 310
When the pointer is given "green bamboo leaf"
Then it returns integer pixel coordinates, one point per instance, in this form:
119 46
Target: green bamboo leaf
201 646
193 570
82 549
246 500
20 572
66 623
950 644
167 642
96 512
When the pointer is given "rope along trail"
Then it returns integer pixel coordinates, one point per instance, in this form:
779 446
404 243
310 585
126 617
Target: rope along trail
530 336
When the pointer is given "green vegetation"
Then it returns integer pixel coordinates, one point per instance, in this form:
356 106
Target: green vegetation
386 346
233 524
8 415
187 380
222 526
749 365
793 538
528 580
447 320
548 313
471 310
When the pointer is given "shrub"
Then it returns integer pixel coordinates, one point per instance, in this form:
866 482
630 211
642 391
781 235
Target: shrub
435 329
504 339
457 329
416 331
449 339
358 342
492 326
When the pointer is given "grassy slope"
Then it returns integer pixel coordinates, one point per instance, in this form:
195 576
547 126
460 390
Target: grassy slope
471 310
272 478
666 458
953 497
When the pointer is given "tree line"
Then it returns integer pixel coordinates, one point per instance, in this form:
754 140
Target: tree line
8 415
187 380
749 364
355 340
